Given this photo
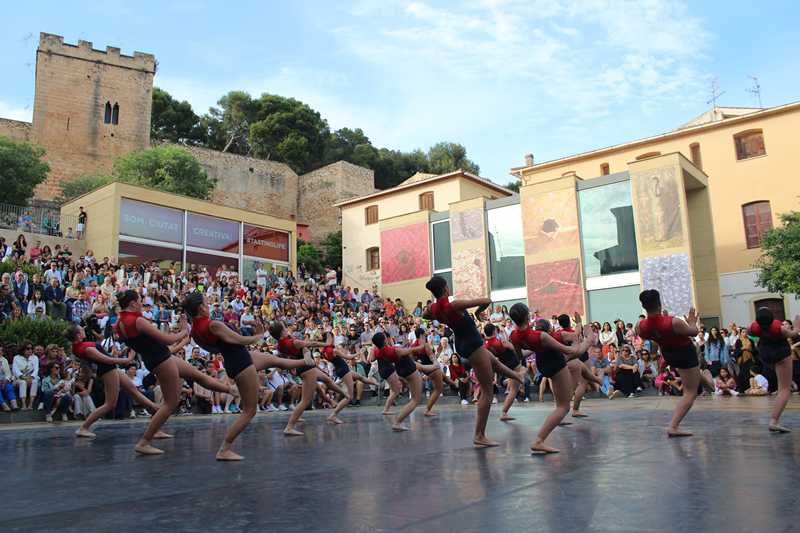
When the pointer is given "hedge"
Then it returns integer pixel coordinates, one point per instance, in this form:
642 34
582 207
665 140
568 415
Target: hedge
43 331
13 266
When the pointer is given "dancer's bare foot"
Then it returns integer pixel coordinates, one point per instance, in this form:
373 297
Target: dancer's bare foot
539 448
675 432
147 449
292 432
484 442
578 414
162 435
505 417
228 455
429 413
399 427
775 428
334 420
84 433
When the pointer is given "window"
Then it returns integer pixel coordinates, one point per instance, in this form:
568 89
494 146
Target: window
441 246
605 170
426 201
749 144
757 219
373 258
107 114
115 114
647 155
371 215
696 158
506 247
608 233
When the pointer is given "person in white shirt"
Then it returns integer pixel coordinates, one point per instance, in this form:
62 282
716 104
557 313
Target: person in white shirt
759 386
26 375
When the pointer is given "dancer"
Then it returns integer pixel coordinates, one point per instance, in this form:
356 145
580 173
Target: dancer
293 349
406 368
674 335
342 371
774 351
113 379
469 344
241 365
152 345
505 352
434 372
580 372
388 373
551 363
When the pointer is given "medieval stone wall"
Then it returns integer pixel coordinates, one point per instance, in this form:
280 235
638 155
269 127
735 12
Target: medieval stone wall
15 129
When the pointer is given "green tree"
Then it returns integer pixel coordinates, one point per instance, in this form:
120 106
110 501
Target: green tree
174 121
289 131
513 185
21 170
228 125
308 255
780 260
166 168
446 157
81 185
332 247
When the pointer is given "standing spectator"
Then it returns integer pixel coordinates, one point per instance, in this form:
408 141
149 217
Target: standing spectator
716 352
744 352
8 400
26 375
82 216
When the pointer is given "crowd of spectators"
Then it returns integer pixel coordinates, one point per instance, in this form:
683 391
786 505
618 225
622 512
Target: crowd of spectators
82 290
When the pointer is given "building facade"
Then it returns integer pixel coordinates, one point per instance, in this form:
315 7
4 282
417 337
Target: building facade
92 106
749 159
136 225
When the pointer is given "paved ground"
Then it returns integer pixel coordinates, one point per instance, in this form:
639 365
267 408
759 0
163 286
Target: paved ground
617 472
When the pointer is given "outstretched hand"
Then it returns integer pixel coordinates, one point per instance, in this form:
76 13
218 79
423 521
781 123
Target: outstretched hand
692 317
183 325
258 328
577 318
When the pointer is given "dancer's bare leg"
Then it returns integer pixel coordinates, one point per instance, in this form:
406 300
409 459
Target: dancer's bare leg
395 387
263 361
783 369
247 383
187 371
561 385
481 361
503 370
347 383
111 391
415 386
308 388
438 387
690 377
511 395
169 379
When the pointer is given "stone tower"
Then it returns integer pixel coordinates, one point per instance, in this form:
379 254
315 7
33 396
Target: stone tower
91 106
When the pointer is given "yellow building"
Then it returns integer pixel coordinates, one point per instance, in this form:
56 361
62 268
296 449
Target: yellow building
387 235
136 224
750 159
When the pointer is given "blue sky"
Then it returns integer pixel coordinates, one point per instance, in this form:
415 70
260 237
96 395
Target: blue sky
551 77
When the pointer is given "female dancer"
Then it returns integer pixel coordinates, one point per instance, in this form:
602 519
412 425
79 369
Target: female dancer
551 363
406 368
774 350
505 352
342 371
112 379
674 335
241 365
469 345
388 374
152 345
434 372
581 375
293 349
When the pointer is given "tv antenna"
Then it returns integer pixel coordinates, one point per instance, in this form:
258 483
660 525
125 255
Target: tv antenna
715 93
755 90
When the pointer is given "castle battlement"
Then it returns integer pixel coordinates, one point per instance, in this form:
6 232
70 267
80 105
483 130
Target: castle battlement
54 44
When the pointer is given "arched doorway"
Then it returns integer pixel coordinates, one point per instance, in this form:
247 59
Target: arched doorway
773 304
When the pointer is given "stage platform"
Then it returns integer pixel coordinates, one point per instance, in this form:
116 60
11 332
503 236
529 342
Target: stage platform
617 472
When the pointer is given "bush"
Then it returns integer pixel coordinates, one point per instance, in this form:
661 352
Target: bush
13 266
81 185
44 331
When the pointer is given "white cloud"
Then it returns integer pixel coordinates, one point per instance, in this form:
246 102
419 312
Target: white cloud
14 112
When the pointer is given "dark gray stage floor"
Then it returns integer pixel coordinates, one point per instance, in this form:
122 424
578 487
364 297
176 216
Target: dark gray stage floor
617 472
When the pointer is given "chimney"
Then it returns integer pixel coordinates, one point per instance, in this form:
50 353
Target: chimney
528 160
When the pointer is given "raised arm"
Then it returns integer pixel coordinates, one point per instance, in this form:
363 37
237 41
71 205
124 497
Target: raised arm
480 303
231 337
426 313
686 326
145 326
180 345
570 351
95 355
402 352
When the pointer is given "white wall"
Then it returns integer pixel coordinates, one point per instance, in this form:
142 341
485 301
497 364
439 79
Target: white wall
738 291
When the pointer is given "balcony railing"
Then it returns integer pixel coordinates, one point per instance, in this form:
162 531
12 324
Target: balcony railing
38 220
